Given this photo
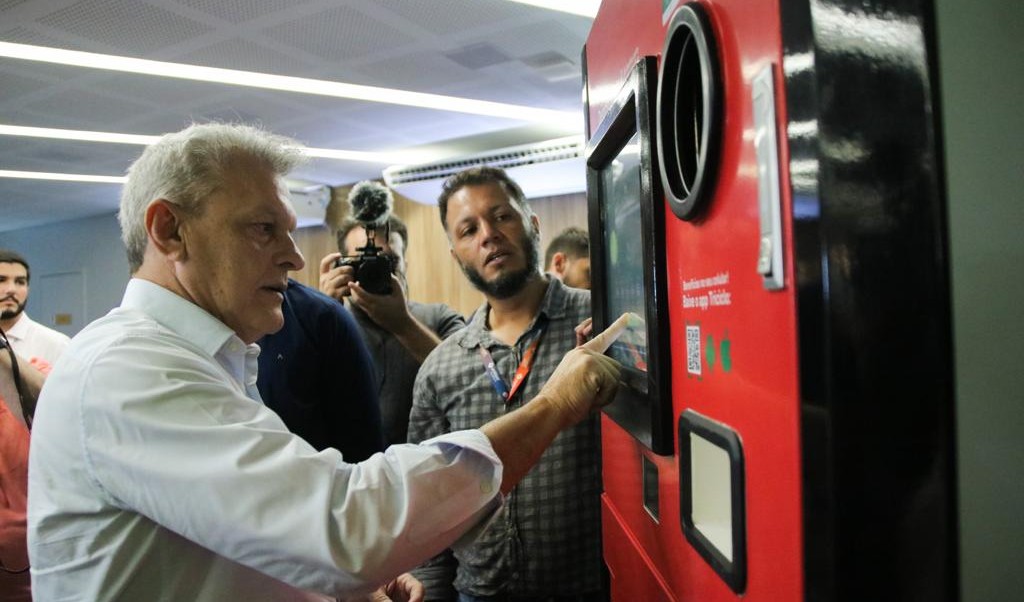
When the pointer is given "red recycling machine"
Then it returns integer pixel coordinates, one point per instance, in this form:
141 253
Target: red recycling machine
765 198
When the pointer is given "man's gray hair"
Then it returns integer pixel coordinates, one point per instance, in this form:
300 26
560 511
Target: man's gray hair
187 167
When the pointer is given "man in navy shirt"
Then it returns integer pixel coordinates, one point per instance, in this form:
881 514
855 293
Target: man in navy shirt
316 373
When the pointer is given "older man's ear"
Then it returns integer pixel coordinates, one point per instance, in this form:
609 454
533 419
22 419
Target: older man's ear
163 224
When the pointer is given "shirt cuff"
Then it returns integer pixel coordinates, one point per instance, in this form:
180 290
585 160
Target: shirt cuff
478 442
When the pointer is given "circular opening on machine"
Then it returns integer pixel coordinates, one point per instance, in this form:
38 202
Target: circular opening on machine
689 115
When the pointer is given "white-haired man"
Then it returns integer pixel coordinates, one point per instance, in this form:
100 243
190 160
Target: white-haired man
157 474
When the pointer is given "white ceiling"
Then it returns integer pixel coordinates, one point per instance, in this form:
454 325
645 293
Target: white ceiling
481 49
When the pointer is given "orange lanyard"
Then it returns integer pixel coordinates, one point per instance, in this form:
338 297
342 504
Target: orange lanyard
506 392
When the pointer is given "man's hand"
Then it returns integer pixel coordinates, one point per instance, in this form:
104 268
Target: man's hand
390 311
584 330
404 588
586 379
335 281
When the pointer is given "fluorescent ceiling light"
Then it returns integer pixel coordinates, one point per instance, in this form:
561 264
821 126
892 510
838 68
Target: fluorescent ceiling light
57 134
584 8
66 177
383 157
285 83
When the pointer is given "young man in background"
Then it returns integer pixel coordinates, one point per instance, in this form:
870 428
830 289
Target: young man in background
568 257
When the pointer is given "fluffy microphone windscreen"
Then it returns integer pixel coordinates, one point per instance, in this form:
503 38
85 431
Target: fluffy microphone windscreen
371 203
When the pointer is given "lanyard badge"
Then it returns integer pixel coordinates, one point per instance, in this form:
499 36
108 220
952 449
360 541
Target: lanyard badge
506 392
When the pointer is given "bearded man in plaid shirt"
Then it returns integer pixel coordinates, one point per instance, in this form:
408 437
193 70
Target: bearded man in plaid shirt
545 544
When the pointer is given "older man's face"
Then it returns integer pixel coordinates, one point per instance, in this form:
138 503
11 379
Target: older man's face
240 250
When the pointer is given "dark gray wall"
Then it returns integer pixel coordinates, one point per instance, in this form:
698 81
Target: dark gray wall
981 65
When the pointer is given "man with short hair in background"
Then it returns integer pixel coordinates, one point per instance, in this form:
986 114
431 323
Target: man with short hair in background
29 339
568 257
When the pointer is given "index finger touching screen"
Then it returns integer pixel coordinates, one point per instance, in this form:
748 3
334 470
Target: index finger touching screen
600 343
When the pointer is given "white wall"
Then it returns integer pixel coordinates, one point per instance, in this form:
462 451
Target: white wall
91 247
981 63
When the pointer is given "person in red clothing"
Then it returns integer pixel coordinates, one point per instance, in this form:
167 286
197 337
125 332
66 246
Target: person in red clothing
15 581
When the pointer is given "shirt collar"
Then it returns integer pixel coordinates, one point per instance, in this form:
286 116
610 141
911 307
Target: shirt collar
552 307
181 316
19 332
195 324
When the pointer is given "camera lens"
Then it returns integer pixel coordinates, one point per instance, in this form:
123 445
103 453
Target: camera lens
374 275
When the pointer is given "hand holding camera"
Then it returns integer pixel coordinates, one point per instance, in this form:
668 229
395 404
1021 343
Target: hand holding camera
371 269
334 281
337 273
390 311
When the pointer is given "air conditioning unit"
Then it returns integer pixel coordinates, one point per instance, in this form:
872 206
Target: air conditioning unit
541 169
309 201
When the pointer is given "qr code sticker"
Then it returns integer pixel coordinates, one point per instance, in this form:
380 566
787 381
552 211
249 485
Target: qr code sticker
693 349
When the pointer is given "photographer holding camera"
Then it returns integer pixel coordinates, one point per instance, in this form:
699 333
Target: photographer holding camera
369 275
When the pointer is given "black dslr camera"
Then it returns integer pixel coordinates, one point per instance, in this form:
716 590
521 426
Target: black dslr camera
373 267
371 204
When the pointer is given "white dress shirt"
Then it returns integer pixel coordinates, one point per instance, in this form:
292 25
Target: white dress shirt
30 339
154 477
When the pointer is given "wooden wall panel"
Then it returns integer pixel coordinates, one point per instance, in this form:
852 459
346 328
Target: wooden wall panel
314 242
434 277
557 213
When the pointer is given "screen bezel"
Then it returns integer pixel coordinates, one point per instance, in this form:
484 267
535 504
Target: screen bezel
642 405
734 571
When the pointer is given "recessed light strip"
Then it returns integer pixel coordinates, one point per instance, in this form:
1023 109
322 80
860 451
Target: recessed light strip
285 83
583 8
88 136
384 157
66 177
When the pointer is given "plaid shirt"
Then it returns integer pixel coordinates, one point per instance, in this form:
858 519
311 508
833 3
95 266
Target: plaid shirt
546 539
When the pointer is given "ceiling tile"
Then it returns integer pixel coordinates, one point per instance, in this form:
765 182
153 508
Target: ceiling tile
239 11
125 26
448 17
478 56
245 55
419 71
91 110
338 34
